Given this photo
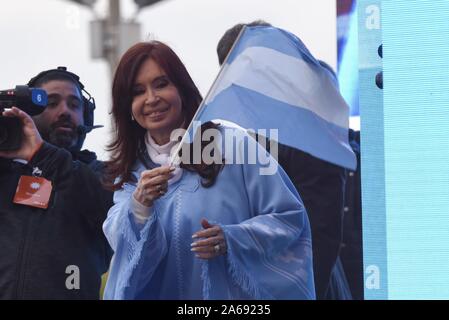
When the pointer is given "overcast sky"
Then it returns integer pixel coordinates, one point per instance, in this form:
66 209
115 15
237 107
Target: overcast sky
43 34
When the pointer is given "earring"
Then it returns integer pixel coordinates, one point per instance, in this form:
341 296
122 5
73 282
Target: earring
132 117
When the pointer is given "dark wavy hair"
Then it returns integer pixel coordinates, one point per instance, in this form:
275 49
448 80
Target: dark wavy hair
128 141
227 40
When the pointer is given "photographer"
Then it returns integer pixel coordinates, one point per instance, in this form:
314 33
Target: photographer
52 204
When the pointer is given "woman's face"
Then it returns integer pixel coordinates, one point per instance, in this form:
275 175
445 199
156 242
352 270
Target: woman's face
156 104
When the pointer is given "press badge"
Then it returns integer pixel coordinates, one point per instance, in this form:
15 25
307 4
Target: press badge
33 191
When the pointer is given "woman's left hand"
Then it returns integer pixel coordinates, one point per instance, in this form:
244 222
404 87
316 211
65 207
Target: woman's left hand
213 243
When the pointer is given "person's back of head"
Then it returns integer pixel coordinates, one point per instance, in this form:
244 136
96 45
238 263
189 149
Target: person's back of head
229 37
331 70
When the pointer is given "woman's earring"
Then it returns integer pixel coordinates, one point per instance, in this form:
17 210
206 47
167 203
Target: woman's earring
132 117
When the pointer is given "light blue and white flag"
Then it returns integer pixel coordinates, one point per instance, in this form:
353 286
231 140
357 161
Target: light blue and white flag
270 80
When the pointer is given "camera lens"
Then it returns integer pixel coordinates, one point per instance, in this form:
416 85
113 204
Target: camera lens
3 135
10 134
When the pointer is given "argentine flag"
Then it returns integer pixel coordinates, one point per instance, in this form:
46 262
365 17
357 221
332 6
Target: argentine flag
271 81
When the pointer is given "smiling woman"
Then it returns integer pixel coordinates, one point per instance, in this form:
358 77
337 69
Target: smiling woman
156 105
160 227
153 94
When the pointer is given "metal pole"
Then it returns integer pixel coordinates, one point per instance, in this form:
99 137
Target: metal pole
112 27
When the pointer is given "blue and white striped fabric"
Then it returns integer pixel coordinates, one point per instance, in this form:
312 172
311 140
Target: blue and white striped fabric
271 81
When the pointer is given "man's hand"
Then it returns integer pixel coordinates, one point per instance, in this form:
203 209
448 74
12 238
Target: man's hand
31 141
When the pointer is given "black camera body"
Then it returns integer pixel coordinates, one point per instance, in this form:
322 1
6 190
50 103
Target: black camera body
30 100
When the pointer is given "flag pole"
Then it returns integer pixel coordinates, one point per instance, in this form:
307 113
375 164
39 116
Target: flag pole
201 106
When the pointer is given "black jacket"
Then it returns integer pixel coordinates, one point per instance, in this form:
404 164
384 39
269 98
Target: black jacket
321 186
39 246
352 249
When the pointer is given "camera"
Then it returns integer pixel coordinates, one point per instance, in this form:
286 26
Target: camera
31 100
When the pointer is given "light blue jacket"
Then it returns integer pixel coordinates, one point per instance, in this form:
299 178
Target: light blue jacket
269 252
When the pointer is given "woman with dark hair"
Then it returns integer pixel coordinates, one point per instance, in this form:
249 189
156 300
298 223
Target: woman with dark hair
160 227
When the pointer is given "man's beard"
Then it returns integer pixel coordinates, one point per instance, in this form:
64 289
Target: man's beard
60 138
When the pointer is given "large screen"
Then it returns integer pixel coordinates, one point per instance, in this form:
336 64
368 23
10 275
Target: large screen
405 148
347 54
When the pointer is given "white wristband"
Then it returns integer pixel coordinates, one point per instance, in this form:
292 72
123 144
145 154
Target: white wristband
140 212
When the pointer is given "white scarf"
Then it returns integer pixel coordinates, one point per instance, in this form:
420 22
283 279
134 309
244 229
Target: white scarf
162 155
